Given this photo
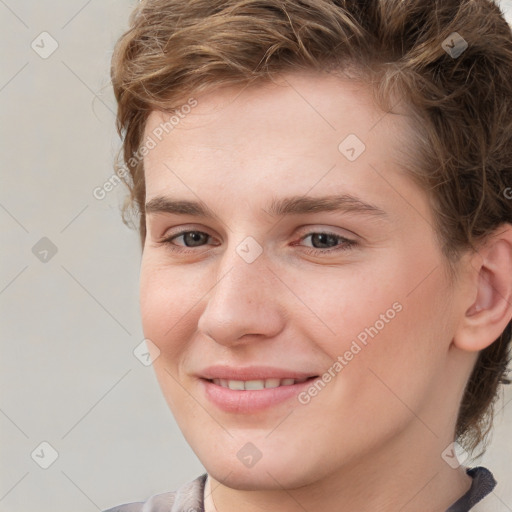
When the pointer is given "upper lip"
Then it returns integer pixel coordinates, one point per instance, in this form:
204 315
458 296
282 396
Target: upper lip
251 373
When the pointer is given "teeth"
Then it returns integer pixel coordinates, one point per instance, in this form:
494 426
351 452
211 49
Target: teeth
236 384
272 383
256 385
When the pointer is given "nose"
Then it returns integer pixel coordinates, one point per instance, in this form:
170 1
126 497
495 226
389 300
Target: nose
244 303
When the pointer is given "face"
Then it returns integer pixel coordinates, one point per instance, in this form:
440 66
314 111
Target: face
291 281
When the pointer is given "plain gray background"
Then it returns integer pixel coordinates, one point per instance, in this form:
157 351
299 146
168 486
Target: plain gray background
70 319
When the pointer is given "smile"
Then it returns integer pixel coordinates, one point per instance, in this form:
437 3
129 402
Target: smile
255 385
248 394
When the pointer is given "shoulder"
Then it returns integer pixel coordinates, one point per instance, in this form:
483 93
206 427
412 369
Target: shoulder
486 499
481 487
188 497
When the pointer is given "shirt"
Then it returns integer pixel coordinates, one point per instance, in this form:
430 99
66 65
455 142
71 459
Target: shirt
190 497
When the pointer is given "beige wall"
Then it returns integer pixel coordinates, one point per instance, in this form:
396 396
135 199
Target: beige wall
69 324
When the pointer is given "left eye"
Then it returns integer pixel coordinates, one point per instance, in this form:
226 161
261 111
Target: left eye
320 240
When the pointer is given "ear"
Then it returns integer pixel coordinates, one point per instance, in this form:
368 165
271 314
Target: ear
490 303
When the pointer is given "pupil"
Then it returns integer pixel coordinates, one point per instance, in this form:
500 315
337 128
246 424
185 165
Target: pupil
323 238
193 237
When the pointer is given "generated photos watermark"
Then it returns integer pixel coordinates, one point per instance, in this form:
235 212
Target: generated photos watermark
355 348
158 133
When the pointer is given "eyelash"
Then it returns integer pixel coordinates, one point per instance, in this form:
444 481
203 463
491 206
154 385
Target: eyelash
347 244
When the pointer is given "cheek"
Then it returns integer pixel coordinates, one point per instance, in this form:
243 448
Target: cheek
404 357
337 307
167 298
166 305
378 318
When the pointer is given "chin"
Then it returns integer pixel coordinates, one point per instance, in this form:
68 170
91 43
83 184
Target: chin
275 469
257 478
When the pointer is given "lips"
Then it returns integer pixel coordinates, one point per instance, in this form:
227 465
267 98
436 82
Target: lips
248 390
252 373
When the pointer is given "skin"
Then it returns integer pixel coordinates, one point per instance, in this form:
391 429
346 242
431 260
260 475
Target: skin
394 405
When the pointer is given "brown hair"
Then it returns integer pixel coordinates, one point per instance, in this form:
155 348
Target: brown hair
461 105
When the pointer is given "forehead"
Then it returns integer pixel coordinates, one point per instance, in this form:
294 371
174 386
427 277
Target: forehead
297 104
307 132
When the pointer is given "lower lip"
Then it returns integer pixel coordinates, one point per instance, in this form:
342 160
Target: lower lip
237 401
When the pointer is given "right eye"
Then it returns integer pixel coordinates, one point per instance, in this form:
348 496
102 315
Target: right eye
190 239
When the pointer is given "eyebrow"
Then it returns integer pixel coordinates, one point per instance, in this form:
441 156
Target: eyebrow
295 205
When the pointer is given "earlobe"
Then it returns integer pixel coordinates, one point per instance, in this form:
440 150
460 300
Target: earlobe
489 313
